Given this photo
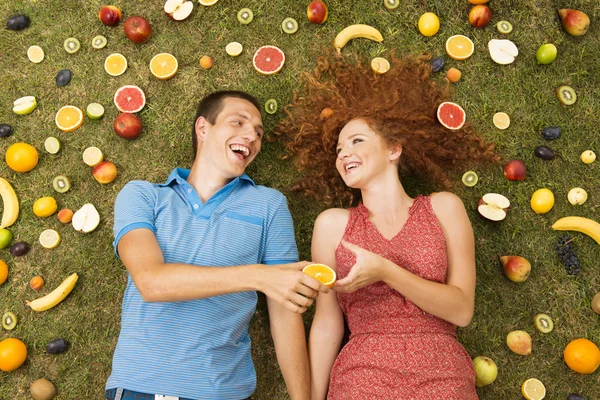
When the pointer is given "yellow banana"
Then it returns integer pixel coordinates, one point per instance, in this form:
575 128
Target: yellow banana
56 296
11 204
579 224
354 31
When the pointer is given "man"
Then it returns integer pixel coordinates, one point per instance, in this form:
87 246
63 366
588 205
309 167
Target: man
197 248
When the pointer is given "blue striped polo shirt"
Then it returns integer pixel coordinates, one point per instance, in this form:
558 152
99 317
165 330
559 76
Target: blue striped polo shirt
197 349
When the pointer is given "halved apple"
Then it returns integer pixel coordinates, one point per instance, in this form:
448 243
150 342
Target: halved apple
493 206
178 9
86 219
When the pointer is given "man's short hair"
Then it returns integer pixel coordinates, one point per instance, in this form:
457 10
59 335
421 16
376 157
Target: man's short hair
210 107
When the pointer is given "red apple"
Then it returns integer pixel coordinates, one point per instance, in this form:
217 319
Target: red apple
480 16
493 206
178 10
515 170
110 15
128 126
516 268
317 12
575 22
137 29
105 172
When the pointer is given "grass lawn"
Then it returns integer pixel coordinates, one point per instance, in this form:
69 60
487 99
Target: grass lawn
89 317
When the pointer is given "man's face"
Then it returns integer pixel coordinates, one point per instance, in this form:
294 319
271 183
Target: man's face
232 143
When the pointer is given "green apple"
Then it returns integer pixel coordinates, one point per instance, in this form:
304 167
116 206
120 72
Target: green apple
486 371
546 53
24 105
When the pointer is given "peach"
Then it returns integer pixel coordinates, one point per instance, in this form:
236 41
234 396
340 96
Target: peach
105 172
453 75
65 215
326 113
515 170
317 12
36 283
480 16
206 62
109 15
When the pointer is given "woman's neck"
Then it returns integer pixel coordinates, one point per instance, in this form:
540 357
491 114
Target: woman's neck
386 197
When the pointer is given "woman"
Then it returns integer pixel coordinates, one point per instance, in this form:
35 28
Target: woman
405 266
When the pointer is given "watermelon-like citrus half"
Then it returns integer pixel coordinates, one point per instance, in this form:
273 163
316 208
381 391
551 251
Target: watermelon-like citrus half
451 115
268 60
130 99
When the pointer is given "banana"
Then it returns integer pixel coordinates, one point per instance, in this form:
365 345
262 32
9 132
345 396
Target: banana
56 296
11 204
355 31
579 224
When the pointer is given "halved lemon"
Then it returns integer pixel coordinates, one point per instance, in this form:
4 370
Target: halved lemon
164 66
207 2
35 54
501 120
115 64
380 65
69 118
92 156
322 273
459 47
49 239
533 389
52 145
234 49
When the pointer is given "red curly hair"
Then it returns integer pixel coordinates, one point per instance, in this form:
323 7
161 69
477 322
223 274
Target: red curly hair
400 105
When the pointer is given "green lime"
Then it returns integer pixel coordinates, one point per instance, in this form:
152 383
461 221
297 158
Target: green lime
52 145
5 238
470 178
94 110
546 53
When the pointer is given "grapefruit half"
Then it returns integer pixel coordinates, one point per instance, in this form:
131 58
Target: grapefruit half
268 60
451 115
130 99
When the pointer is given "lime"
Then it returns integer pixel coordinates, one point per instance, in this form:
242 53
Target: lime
94 110
49 238
52 145
470 178
5 238
546 53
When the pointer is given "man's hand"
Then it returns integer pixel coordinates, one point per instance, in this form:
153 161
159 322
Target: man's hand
369 268
290 287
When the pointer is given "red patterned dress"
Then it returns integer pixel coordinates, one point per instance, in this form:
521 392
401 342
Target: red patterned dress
396 350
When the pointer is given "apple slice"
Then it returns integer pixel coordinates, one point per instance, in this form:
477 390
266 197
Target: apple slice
502 51
86 219
493 206
178 9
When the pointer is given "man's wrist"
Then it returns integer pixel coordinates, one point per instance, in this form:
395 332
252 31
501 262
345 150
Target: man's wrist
256 276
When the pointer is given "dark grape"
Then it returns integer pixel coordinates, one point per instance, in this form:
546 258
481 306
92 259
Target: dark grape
567 254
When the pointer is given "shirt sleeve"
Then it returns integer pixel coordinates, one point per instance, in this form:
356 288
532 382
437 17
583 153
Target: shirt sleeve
134 209
280 239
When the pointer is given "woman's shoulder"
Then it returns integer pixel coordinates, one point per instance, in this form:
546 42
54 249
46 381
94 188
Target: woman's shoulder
445 203
332 218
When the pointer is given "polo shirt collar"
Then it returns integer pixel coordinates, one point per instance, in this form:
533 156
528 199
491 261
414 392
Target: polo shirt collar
180 175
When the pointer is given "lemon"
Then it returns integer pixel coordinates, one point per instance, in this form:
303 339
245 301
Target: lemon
45 206
429 24
542 201
92 156
35 54
234 49
501 120
52 145
380 65
49 238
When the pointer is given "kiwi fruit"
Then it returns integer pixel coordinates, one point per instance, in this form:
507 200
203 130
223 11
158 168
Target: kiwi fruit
566 95
71 45
245 16
470 178
271 106
391 4
9 321
289 25
596 303
504 27
42 390
543 323
98 42
61 184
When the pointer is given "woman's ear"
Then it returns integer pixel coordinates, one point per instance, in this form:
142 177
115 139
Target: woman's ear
395 152
201 126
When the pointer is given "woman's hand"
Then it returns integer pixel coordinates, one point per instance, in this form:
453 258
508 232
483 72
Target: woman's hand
369 268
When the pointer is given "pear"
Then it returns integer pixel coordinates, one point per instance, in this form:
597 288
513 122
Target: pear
519 342
503 51
575 22
86 219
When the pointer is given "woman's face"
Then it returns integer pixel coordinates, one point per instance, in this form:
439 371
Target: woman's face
362 154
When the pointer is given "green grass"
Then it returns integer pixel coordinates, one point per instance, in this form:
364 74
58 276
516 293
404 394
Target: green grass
90 317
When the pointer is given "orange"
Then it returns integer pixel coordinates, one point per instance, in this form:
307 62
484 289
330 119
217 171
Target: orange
115 64
69 118
164 66
321 272
45 206
582 355
3 272
13 353
478 1
21 157
533 389
459 47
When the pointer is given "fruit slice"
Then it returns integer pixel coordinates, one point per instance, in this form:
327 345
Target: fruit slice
271 106
69 118
459 47
52 145
493 206
380 65
9 321
86 219
322 273
94 110
178 10
501 120
268 60
543 323
35 54
504 27
115 64
234 49
207 2
470 178
71 45
391 4
245 16
92 156
49 239
502 51
61 184
130 99
24 105
289 25
566 95
164 66
99 42
533 389
451 115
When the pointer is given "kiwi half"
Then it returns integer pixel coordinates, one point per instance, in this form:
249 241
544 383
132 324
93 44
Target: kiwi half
61 184
9 321
71 45
245 16
504 27
271 106
470 178
543 323
391 4
566 95
99 42
289 25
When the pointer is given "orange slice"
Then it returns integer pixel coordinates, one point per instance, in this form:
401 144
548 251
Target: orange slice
459 47
164 66
321 272
380 65
533 389
115 64
207 2
69 118
501 120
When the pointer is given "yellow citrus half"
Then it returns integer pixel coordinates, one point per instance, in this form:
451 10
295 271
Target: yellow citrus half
234 49
207 2
115 64
501 120
92 156
380 65
533 389
321 272
69 118
49 238
35 54
164 66
459 47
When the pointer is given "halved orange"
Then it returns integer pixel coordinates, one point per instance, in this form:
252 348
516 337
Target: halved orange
533 389
164 66
69 118
322 273
459 47
115 64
